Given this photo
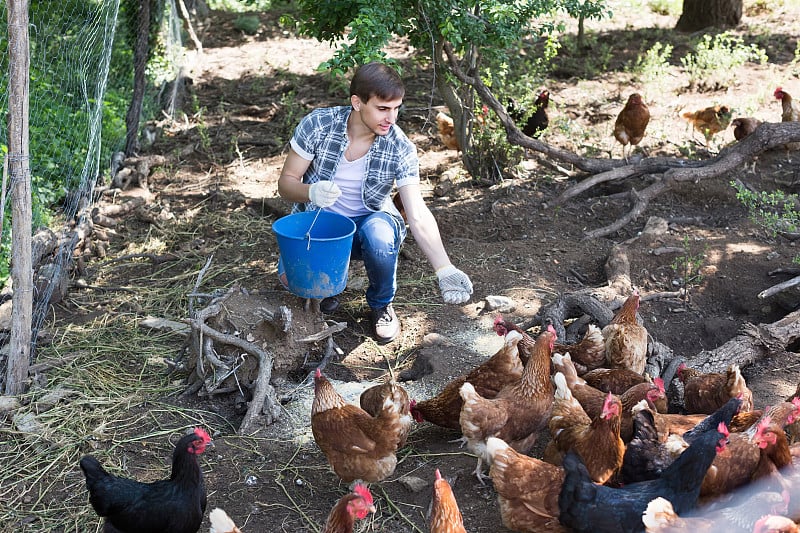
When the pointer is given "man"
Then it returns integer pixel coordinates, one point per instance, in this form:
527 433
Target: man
347 159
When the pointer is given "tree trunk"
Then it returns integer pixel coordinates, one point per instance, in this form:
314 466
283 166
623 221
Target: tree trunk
699 14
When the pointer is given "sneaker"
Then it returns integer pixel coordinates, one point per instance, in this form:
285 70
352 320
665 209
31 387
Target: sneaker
329 305
385 324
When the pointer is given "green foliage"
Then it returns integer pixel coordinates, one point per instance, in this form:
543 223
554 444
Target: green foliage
494 159
654 65
672 8
774 211
796 60
713 64
240 6
687 268
247 24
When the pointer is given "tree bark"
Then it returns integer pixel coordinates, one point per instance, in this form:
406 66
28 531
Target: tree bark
699 14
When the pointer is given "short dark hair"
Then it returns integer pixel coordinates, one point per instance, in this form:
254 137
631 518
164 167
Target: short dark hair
377 79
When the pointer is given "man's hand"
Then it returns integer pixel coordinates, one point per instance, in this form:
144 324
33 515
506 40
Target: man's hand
324 193
454 284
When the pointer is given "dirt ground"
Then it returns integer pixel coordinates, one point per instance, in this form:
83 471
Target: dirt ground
253 89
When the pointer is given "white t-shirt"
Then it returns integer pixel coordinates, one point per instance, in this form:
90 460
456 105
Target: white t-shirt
349 177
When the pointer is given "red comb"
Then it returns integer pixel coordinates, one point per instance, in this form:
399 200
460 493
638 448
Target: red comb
796 402
438 475
318 373
659 383
363 491
722 428
498 319
203 434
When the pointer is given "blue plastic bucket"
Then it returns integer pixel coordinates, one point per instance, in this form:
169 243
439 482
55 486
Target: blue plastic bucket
315 263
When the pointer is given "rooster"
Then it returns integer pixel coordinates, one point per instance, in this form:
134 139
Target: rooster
445 515
356 444
625 338
536 121
704 393
373 400
527 489
631 122
744 126
789 111
518 412
221 522
710 120
503 368
351 507
596 440
585 506
176 504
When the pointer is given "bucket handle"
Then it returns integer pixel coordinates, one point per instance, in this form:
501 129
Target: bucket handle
307 236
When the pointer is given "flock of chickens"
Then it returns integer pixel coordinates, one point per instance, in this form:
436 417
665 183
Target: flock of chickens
616 461
632 121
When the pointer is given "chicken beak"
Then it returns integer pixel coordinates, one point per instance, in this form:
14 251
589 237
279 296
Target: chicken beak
371 509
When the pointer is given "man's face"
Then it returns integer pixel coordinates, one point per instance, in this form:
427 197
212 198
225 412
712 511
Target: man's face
376 114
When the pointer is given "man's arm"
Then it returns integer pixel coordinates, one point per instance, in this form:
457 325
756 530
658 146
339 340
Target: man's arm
290 184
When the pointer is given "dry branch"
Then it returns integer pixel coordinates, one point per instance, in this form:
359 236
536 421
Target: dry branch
754 342
667 172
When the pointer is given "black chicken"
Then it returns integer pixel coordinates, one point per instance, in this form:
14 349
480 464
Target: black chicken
176 504
586 506
646 457
538 120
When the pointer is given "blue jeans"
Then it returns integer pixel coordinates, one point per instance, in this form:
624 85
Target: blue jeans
377 242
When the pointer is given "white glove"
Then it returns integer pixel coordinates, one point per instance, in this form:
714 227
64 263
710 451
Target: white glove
454 284
324 193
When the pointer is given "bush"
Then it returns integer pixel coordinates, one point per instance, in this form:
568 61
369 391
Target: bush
714 63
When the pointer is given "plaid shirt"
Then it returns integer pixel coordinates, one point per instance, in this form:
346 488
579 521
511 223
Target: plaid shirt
321 137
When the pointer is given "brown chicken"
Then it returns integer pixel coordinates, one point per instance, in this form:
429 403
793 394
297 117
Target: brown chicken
735 465
626 340
793 427
351 507
592 399
527 489
706 392
445 515
356 444
589 353
503 368
596 439
744 126
518 413
447 131
710 120
373 400
221 522
775 460
789 111
616 380
631 122
536 121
